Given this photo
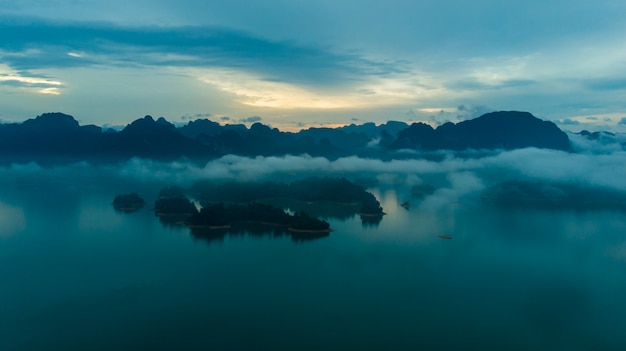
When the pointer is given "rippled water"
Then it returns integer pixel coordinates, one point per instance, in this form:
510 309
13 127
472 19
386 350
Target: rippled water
76 275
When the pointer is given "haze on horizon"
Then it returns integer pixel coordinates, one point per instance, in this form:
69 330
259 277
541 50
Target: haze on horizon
297 64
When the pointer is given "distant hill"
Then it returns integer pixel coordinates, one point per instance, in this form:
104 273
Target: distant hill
57 137
497 130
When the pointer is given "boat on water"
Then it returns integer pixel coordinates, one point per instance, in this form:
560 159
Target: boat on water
446 237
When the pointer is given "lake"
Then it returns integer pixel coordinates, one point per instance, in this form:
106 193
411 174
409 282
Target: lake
77 275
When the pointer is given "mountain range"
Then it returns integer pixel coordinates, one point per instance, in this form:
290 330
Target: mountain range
57 137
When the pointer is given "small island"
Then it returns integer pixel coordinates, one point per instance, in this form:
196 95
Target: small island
128 203
371 207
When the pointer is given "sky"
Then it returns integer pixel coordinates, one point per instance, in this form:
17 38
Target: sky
294 64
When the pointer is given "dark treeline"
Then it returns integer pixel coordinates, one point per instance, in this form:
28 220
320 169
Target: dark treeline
313 189
174 205
128 202
58 138
219 214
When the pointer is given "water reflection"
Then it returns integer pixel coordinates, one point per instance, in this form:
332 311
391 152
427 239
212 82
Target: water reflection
11 220
173 220
521 280
258 230
371 221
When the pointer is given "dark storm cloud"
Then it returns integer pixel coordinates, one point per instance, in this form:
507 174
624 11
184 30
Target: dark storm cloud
34 44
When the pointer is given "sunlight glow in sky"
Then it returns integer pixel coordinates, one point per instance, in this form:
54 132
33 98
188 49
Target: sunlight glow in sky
303 63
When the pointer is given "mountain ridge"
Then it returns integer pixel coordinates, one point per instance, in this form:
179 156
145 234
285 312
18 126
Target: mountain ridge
54 136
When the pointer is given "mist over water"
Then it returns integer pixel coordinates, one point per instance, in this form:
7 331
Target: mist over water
78 275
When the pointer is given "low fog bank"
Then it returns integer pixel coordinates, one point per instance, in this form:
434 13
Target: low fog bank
597 142
453 177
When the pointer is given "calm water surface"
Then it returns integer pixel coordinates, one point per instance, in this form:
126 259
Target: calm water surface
76 275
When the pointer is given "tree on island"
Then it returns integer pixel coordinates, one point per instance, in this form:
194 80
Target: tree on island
214 215
174 205
371 207
302 221
172 191
128 202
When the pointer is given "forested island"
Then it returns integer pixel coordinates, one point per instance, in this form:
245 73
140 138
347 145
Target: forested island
223 205
309 190
221 215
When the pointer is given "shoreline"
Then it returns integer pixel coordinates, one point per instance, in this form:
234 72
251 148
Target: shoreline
372 214
192 226
312 231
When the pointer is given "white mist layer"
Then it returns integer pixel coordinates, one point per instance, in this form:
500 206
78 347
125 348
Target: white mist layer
453 177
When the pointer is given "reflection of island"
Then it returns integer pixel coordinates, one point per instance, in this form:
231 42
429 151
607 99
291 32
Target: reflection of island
215 221
371 220
253 230
128 202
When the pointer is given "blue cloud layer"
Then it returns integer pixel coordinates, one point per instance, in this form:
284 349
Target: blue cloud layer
49 44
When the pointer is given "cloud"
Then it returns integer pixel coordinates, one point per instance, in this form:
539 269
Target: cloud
598 164
472 83
28 81
191 117
607 169
285 59
605 143
36 44
252 119
568 122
